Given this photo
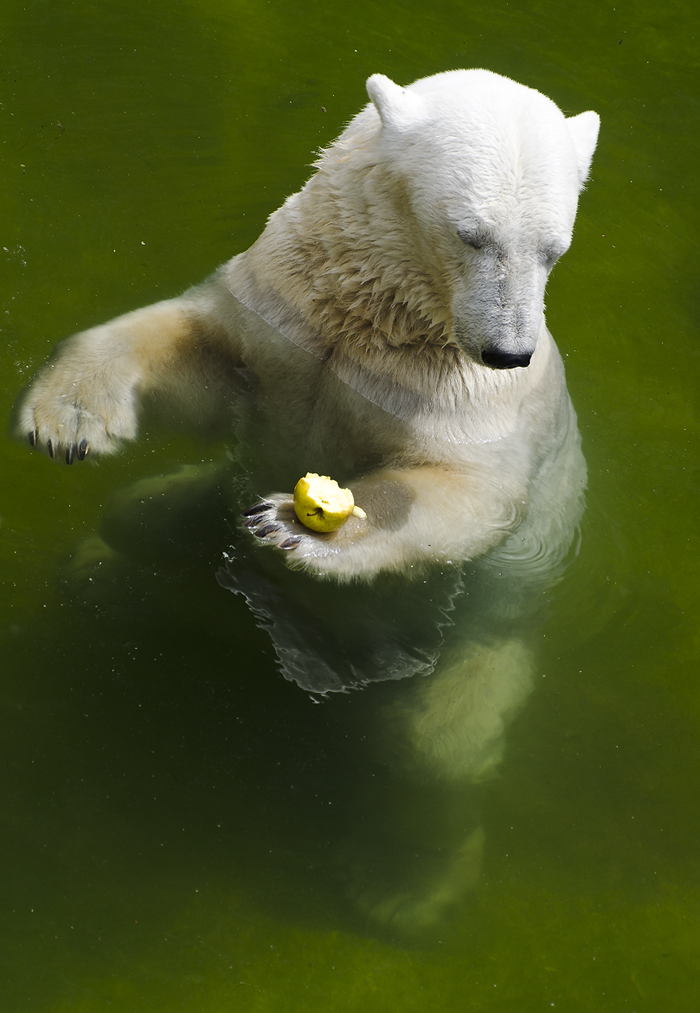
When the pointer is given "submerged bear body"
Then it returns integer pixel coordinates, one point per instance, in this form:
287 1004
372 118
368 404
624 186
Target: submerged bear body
387 329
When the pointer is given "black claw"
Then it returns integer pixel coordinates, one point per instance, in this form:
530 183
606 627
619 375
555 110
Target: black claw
52 452
290 543
33 438
267 529
257 509
82 450
69 453
252 522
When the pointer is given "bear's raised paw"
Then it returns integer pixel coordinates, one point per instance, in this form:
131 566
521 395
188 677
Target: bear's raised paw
274 522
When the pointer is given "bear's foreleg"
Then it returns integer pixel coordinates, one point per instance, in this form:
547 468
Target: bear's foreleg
87 397
414 517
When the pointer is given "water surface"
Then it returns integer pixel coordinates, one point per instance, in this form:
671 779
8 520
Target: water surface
153 857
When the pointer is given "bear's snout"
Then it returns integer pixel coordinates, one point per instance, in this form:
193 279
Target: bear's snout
505 360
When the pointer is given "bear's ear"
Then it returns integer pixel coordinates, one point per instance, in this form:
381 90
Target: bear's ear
584 130
396 106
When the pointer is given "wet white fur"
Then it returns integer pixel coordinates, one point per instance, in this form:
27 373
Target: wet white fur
367 269
424 238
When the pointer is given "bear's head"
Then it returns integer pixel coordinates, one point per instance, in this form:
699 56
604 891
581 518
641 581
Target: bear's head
468 184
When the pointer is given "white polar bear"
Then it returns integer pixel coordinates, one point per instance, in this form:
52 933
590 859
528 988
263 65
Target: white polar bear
388 329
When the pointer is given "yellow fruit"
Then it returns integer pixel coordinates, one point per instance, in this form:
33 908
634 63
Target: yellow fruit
321 504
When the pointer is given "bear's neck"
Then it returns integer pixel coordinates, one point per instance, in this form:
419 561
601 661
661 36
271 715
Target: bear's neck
322 258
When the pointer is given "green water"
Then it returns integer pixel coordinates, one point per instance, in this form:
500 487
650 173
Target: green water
148 863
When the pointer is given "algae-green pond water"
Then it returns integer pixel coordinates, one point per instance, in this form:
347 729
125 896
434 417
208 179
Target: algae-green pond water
147 861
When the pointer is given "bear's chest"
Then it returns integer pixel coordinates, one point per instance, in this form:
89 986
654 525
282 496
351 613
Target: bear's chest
299 415
338 415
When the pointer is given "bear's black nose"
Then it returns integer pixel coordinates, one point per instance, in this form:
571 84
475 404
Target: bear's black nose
505 360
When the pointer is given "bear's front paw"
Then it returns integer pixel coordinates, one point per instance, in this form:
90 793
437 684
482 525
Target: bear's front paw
275 523
69 420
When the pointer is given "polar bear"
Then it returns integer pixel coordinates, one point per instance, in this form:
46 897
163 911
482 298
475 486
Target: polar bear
387 328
